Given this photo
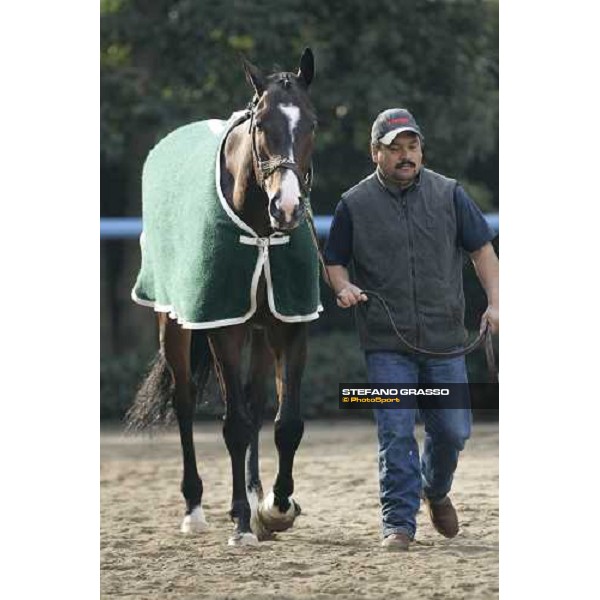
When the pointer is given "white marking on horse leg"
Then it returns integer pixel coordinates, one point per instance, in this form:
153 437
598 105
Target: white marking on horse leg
252 495
243 539
290 187
270 507
247 538
195 522
256 524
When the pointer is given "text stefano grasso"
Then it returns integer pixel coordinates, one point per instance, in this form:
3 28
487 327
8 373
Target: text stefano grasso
395 391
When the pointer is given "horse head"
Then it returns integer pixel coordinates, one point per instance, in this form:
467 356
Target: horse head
282 126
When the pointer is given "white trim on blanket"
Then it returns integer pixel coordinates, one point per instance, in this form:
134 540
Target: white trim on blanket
261 242
162 308
271 298
235 119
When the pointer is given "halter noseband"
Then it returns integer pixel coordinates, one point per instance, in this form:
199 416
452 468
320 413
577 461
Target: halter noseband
266 168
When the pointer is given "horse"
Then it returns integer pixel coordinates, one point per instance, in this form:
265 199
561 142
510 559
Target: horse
264 167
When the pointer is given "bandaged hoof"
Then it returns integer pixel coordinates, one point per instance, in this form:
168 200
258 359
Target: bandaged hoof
195 522
243 539
262 532
272 518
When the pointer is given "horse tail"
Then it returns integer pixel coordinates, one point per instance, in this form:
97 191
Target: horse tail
153 406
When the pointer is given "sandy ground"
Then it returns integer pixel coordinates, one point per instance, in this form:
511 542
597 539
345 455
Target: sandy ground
333 550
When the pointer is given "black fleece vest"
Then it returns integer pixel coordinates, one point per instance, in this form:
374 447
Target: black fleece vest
405 248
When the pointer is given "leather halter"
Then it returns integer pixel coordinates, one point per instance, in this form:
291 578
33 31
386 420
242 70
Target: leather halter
265 168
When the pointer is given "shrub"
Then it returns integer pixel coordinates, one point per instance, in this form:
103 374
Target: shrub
333 358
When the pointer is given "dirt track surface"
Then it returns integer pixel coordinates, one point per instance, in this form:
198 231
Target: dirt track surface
333 550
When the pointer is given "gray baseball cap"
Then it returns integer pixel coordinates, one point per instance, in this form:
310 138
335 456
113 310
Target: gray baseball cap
390 123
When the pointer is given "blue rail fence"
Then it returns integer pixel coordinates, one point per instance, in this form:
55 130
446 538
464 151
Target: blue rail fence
123 228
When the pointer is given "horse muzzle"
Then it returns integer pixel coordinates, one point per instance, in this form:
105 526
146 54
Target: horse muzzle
283 219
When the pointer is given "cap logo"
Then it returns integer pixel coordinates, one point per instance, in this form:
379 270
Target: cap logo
402 120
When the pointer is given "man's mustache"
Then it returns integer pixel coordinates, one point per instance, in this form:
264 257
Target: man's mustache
405 163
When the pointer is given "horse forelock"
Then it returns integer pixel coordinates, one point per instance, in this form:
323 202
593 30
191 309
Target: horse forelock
285 88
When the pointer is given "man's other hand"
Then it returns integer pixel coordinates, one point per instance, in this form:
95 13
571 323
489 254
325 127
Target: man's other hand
491 316
350 296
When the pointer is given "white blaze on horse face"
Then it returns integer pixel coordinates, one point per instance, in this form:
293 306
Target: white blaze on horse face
292 114
290 187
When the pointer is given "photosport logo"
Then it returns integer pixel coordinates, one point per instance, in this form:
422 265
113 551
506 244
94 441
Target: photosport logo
353 396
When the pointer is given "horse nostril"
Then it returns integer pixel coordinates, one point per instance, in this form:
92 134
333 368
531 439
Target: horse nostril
298 211
275 211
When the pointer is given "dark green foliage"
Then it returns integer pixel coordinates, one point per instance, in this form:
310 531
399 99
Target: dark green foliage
167 63
120 377
333 358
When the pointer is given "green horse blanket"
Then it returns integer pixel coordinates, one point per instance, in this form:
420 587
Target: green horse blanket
200 262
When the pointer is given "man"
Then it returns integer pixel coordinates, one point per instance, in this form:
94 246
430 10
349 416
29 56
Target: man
403 229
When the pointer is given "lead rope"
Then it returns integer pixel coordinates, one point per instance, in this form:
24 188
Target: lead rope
484 337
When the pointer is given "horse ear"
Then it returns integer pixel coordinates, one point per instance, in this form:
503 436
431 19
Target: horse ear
254 76
306 72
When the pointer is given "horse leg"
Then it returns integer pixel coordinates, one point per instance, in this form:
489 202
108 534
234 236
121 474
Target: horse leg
261 361
278 511
226 345
175 343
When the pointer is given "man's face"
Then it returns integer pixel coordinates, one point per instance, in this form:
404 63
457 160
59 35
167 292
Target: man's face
401 160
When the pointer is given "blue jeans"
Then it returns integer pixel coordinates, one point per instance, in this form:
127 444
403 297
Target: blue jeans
401 476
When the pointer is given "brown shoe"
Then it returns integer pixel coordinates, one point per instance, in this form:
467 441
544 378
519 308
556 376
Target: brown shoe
443 516
396 542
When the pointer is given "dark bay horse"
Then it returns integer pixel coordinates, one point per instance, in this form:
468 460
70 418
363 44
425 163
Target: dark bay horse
265 173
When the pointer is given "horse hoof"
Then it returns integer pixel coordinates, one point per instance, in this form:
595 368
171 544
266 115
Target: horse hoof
271 516
259 528
195 522
243 539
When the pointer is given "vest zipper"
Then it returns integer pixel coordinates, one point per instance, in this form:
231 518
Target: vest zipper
413 270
